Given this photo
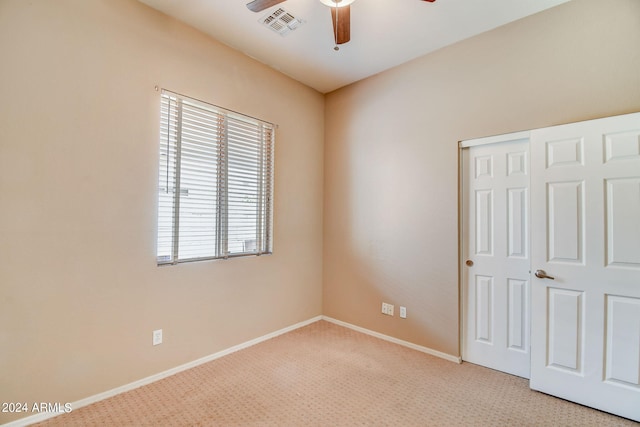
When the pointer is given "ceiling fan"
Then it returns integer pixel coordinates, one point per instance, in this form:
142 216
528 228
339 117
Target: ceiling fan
340 15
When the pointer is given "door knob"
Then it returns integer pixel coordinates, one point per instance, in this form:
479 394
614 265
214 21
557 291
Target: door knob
541 274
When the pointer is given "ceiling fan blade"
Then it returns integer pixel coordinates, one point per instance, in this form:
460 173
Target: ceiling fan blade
341 31
260 5
430 1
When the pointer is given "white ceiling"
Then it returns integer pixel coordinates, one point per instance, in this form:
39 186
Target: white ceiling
384 33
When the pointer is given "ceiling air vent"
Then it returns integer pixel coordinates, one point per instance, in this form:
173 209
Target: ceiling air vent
281 21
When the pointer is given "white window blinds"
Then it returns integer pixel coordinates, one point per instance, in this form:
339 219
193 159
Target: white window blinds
215 182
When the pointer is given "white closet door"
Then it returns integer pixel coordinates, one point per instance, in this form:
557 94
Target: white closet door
585 210
495 270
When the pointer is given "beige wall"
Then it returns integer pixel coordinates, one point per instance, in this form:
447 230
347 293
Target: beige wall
390 219
80 292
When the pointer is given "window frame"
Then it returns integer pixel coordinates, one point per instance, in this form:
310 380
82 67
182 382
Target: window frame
238 152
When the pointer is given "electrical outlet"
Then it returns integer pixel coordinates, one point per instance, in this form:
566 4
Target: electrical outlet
157 337
403 312
387 309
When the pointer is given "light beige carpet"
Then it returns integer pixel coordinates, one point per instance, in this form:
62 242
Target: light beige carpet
328 375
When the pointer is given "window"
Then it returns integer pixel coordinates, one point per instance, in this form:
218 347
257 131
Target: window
215 183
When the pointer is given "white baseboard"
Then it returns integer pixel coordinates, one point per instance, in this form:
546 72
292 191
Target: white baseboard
148 380
408 344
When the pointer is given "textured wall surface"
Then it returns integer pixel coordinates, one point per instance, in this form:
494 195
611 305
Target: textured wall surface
80 292
391 153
